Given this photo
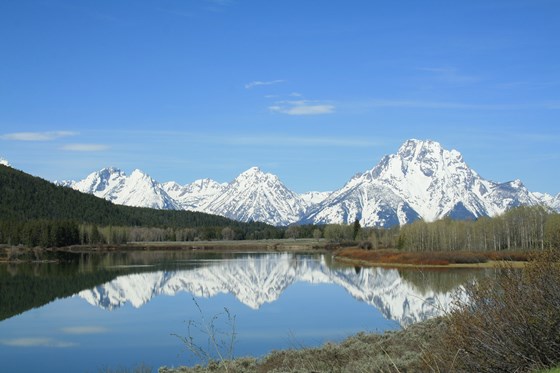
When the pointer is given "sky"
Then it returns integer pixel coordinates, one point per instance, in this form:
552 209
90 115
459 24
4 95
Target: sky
312 91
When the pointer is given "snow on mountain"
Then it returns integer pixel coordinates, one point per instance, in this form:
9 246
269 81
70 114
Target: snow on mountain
258 196
555 204
195 195
434 181
505 196
423 180
256 280
547 200
371 204
253 195
314 198
138 189
4 162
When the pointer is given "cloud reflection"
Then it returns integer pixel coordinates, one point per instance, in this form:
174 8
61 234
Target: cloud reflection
81 330
36 342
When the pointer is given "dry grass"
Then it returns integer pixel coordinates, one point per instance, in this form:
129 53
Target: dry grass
400 351
430 258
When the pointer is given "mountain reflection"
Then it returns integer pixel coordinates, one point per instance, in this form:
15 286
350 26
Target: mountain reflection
404 296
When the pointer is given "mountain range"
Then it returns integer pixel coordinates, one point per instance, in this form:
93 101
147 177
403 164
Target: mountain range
256 280
422 180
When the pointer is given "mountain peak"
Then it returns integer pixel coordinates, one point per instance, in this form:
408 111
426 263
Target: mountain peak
256 175
252 171
422 180
139 174
419 149
138 171
255 195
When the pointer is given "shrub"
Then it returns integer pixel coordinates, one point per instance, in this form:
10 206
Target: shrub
511 323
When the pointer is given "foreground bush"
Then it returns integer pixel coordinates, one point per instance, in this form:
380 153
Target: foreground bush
510 324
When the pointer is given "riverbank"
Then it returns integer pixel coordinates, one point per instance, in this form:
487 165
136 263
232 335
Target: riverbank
10 254
432 259
393 351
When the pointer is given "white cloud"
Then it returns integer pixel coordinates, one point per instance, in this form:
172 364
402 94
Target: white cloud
302 107
257 83
37 136
85 147
36 342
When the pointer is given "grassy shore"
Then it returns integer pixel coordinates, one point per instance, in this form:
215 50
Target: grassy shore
393 351
446 259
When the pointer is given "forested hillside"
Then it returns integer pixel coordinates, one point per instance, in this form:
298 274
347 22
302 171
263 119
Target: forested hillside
36 212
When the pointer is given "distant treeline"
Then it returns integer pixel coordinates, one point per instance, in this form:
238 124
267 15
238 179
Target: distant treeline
522 228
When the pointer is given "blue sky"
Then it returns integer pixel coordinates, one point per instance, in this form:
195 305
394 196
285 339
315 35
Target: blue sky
313 91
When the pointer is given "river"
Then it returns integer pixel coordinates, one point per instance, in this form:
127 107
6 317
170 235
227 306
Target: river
112 311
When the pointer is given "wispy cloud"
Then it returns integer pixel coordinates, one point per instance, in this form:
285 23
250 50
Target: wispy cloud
449 75
85 147
36 342
258 83
36 136
85 330
302 107
274 139
281 140
419 104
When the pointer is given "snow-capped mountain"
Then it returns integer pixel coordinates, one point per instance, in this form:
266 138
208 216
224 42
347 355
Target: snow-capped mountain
371 204
423 180
258 196
253 195
196 195
256 280
138 189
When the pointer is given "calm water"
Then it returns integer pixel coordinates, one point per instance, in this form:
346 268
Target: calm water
119 310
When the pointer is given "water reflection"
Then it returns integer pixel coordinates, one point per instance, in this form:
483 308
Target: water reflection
404 296
46 310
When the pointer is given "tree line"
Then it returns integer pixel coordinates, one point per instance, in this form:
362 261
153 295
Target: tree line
521 228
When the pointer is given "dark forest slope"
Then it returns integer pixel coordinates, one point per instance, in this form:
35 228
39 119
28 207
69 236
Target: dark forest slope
25 197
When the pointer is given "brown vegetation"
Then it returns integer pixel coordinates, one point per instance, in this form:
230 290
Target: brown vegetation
429 258
511 324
